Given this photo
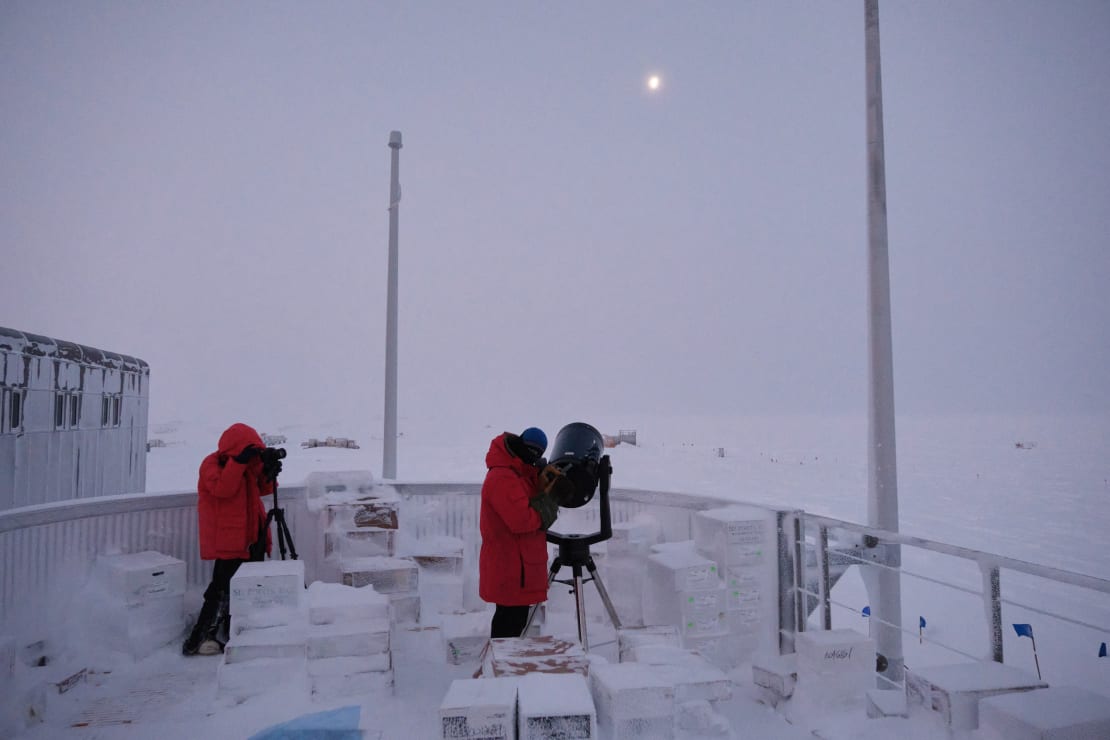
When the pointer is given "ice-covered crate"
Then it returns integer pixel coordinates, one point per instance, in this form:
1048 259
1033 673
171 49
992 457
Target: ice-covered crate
386 575
479 709
333 602
136 629
551 707
465 635
695 680
404 608
628 640
267 584
266 643
352 685
140 575
775 675
441 593
716 647
241 680
348 639
634 537
834 652
632 701
516 656
380 513
339 486
954 691
744 620
440 564
360 543
680 570
1057 713
733 535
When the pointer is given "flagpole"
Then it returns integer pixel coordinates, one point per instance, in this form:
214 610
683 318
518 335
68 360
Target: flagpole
389 433
1035 658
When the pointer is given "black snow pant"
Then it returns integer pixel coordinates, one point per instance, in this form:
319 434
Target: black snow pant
509 621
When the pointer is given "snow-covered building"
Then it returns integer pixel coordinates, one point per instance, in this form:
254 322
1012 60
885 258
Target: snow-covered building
73 420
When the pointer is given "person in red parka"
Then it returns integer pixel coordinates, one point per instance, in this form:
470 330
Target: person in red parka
515 514
232 526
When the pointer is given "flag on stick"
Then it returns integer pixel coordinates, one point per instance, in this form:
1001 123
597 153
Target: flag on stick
1102 650
866 611
1026 630
920 629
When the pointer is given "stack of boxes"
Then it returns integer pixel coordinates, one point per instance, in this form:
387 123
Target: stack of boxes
738 540
683 588
397 578
269 629
141 602
348 644
623 568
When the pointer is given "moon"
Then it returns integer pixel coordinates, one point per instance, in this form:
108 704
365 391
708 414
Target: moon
654 83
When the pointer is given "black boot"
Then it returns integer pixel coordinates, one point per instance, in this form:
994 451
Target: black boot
201 641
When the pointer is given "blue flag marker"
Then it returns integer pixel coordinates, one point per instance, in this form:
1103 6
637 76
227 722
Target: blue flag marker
1024 630
866 611
921 623
1102 650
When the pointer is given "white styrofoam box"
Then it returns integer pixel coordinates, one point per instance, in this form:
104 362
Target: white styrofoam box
1055 713
329 603
716 647
465 635
348 639
482 708
694 611
276 616
834 652
954 691
338 486
362 684
745 620
694 678
886 703
775 675
440 593
266 643
370 511
386 575
360 543
632 701
350 665
733 535
404 608
680 570
267 584
629 639
744 587
138 629
141 575
240 680
635 537
555 705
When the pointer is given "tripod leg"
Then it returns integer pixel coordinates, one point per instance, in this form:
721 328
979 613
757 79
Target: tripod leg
580 608
603 593
555 565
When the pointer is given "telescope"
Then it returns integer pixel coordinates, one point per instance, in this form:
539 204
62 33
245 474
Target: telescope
577 453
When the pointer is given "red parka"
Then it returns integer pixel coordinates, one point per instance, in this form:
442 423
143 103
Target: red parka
229 505
512 566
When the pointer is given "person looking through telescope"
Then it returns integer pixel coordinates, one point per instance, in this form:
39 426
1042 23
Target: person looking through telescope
232 524
517 509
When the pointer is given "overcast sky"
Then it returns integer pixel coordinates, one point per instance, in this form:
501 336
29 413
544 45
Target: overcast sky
205 186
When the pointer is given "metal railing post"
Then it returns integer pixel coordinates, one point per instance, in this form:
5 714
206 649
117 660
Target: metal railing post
992 591
799 576
826 588
787 596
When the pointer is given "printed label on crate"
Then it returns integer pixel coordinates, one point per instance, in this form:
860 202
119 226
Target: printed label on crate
745 533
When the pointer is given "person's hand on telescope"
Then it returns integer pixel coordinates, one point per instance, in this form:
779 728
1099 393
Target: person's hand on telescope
249 453
547 507
549 478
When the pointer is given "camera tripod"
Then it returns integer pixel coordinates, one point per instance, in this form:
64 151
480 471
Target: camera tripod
574 550
277 515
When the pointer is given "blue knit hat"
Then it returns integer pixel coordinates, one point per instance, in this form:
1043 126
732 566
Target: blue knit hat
534 437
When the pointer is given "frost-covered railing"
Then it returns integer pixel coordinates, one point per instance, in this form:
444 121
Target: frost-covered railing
1082 602
48 549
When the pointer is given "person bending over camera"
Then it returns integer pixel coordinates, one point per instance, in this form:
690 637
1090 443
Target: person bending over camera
231 524
517 509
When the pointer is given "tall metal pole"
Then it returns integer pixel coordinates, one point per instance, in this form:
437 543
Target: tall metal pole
389 434
882 489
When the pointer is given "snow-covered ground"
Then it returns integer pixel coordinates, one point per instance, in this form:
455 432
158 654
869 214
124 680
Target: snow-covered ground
1037 489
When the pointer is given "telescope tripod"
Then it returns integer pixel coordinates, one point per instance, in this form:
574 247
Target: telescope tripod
277 515
574 550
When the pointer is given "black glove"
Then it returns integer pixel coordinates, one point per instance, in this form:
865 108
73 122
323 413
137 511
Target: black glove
548 509
271 469
249 453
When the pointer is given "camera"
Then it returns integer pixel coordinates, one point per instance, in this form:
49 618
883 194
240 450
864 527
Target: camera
271 461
